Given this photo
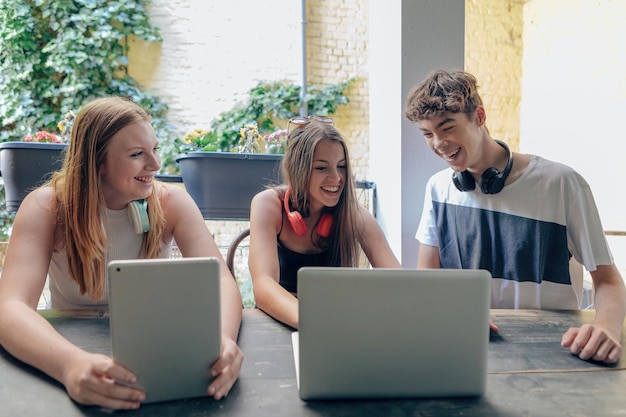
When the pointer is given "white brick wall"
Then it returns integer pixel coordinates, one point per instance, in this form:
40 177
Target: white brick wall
213 52
208 60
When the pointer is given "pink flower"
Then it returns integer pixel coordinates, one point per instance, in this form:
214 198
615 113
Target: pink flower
43 136
277 137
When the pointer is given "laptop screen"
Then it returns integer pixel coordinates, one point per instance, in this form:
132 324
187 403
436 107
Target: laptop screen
366 333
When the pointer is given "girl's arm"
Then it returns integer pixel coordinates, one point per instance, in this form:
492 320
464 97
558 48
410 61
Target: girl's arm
269 295
88 378
194 240
374 242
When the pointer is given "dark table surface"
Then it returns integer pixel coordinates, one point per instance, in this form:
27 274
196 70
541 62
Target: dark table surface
530 374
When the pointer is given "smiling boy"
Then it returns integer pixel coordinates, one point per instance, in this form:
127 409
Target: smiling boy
519 216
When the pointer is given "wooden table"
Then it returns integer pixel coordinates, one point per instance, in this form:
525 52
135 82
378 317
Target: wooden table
529 375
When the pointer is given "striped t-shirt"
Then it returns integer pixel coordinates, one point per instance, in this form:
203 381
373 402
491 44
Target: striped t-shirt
524 235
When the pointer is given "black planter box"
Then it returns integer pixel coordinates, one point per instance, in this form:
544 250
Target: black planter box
26 165
222 184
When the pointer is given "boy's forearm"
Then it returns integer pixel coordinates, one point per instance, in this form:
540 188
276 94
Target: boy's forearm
610 305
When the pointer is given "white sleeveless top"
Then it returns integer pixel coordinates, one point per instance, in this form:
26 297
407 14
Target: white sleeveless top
124 243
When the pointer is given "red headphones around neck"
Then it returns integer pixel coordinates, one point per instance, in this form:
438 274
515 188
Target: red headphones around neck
298 224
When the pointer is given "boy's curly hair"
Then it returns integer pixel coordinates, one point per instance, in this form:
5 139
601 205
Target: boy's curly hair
442 92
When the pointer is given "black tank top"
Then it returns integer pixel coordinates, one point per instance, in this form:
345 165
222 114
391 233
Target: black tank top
291 261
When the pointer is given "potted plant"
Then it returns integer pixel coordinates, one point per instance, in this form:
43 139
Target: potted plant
275 141
27 164
222 183
225 166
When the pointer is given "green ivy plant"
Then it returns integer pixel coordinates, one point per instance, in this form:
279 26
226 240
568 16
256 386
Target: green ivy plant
268 102
57 55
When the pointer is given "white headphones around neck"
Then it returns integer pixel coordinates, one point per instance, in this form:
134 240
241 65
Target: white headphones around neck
138 215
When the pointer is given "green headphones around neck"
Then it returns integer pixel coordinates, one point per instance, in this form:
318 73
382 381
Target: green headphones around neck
138 215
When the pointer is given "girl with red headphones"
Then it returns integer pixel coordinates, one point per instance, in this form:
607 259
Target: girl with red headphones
314 219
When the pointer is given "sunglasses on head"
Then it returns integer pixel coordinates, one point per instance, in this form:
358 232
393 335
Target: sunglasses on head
300 121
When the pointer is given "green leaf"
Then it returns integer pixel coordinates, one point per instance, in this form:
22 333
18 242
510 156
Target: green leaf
271 101
55 56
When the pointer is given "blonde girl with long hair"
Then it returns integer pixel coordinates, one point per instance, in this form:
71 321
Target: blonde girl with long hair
314 219
70 228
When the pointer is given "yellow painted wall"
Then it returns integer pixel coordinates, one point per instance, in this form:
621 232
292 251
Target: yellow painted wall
555 54
337 34
195 69
493 53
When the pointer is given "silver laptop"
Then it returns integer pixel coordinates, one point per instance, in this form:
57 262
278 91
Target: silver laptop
165 323
391 333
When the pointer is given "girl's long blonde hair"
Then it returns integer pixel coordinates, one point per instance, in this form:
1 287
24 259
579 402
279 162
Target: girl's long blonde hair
297 165
79 193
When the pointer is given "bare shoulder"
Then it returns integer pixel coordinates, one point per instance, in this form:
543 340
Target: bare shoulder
37 215
182 215
41 201
178 206
268 202
267 197
364 218
166 190
173 196
266 210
